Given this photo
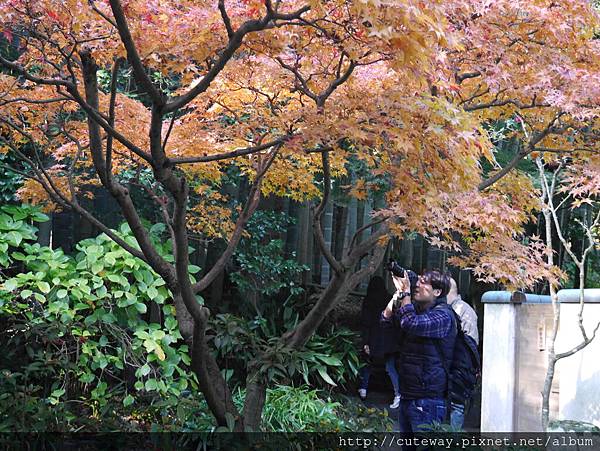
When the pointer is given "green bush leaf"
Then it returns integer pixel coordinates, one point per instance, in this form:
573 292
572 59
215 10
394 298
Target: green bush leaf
323 373
151 384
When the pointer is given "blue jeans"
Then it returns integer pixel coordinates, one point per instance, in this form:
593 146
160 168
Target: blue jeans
390 368
417 415
457 416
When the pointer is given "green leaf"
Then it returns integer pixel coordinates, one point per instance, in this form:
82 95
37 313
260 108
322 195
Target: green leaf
97 267
152 292
145 369
329 360
43 286
193 269
110 259
128 400
62 293
39 217
151 384
13 238
323 372
141 308
26 293
87 378
10 284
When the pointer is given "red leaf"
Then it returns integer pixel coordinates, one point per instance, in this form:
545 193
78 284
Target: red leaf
53 15
8 35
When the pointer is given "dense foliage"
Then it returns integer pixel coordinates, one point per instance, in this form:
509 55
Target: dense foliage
91 341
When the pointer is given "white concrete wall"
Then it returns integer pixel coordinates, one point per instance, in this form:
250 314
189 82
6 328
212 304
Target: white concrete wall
579 393
498 377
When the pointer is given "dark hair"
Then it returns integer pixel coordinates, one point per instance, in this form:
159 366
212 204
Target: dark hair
438 281
376 285
377 295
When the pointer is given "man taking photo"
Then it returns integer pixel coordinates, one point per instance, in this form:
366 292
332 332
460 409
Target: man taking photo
429 333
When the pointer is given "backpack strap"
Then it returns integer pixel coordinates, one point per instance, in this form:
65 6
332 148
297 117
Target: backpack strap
438 345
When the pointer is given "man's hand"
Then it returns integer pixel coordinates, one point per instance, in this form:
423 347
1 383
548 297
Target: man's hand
366 349
401 283
389 309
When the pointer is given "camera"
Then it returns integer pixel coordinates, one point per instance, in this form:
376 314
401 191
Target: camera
393 267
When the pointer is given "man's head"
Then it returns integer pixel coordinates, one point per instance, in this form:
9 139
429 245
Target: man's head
431 285
453 293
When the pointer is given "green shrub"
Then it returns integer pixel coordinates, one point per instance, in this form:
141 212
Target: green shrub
299 409
78 330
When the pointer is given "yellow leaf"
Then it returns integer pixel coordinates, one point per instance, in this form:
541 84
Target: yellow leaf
160 353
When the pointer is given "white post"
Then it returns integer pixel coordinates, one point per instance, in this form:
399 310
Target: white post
499 363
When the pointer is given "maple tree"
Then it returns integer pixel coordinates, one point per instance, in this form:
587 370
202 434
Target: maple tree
287 92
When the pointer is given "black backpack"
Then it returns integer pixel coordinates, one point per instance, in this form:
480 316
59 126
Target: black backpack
465 370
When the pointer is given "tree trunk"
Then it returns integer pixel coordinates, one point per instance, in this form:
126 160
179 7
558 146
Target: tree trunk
211 381
256 394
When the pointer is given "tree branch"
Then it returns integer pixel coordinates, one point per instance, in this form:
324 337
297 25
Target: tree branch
139 71
579 347
362 229
335 265
27 76
535 138
120 193
235 42
226 19
245 215
229 155
102 122
111 117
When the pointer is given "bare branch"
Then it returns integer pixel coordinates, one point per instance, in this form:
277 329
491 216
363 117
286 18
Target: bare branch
505 170
101 14
535 138
517 103
462 77
335 83
120 193
579 347
103 122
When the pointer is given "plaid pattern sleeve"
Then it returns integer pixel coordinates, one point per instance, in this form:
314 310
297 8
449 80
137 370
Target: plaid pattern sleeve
435 323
